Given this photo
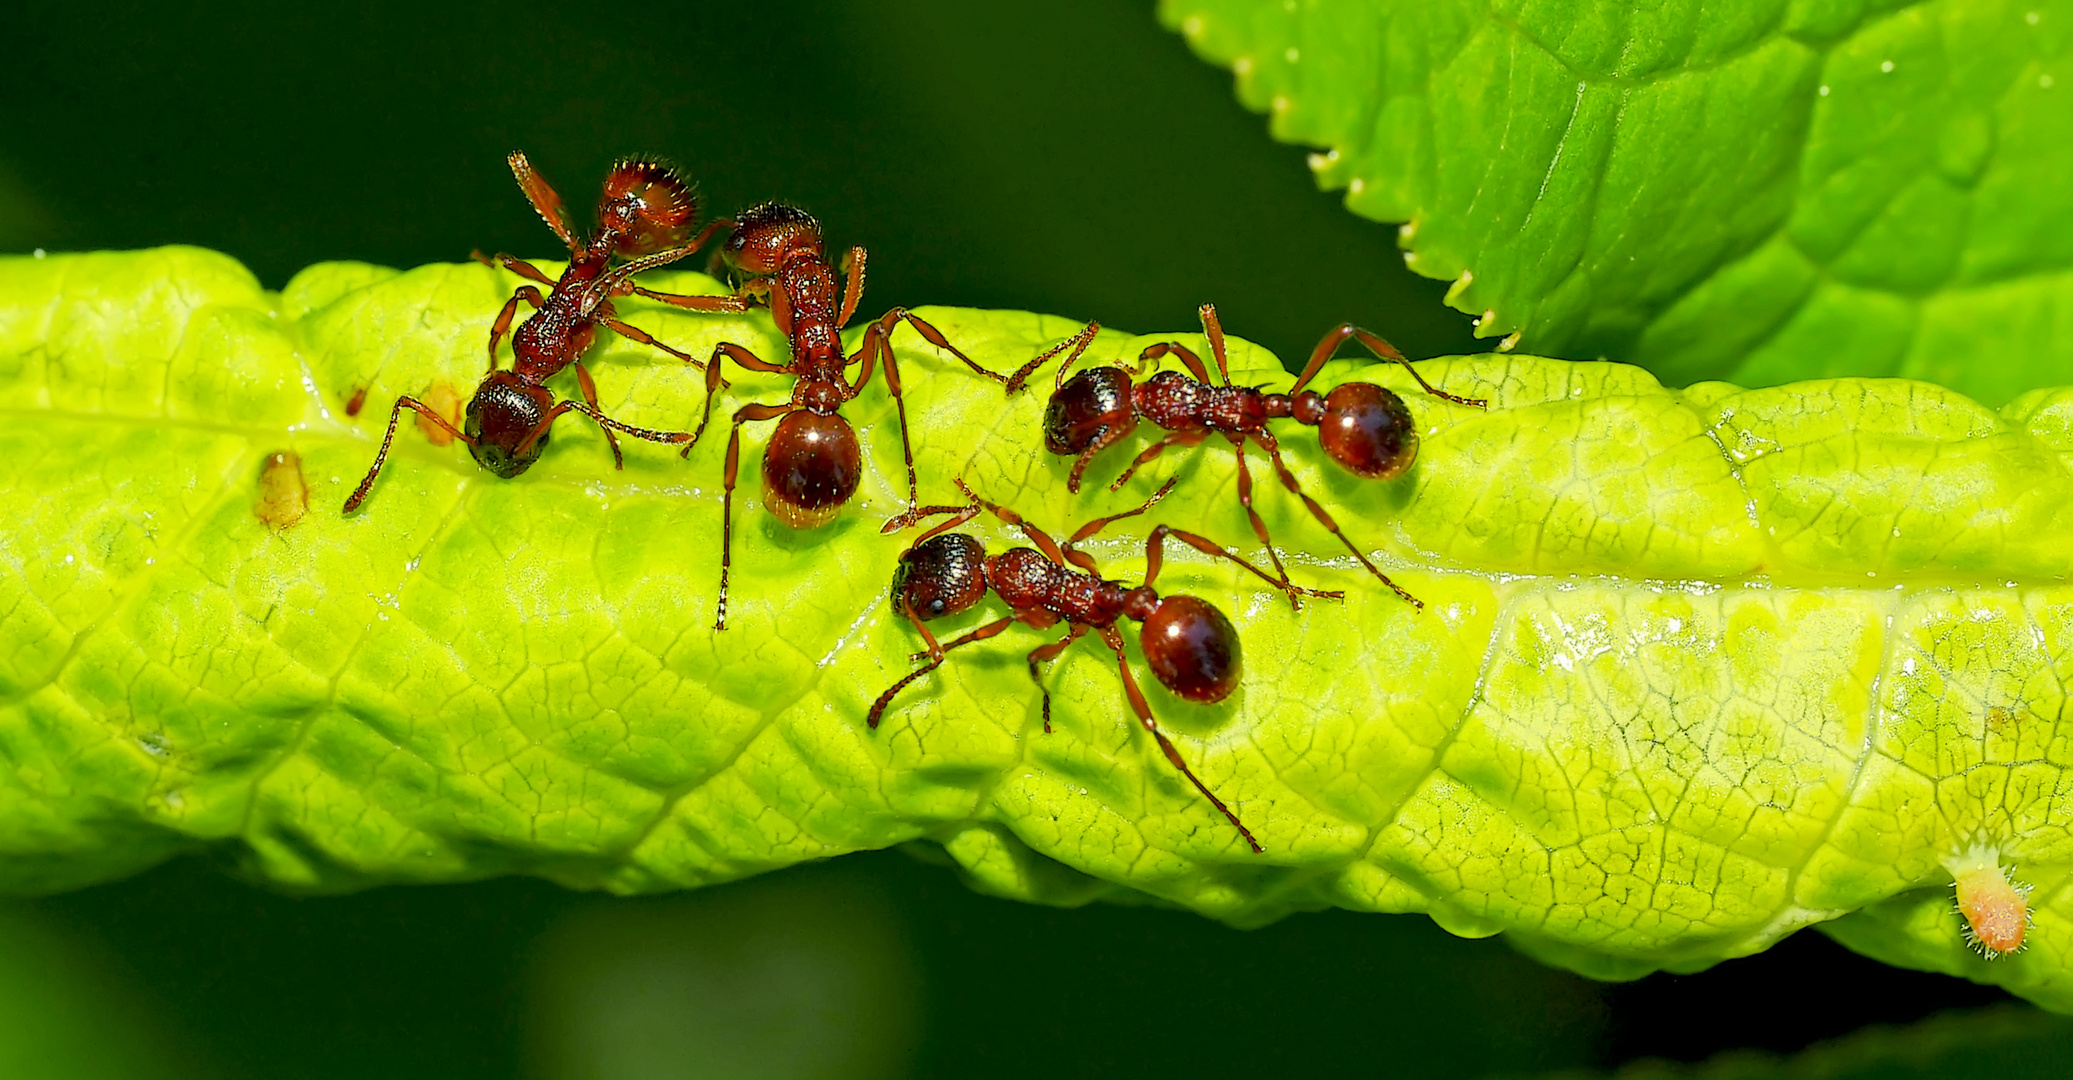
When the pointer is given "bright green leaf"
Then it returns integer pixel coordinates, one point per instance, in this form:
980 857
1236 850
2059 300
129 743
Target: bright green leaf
1697 668
1756 191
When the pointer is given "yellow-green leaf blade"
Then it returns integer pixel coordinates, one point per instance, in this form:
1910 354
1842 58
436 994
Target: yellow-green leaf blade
1696 669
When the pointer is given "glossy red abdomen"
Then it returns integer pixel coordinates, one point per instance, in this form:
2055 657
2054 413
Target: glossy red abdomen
1192 648
810 468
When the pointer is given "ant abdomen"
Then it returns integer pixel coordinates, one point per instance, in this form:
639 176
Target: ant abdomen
503 414
1083 410
942 575
1192 649
810 468
1369 430
646 207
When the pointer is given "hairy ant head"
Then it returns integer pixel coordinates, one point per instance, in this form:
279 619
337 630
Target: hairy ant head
646 207
1192 648
1368 430
810 468
503 423
767 235
942 575
1086 408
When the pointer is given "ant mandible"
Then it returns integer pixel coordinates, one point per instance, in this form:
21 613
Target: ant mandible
812 463
1192 648
644 215
1364 427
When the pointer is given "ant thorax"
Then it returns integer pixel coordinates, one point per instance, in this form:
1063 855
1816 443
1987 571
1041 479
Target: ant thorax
544 342
1178 403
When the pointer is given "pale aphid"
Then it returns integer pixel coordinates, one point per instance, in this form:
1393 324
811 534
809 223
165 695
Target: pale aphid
1996 910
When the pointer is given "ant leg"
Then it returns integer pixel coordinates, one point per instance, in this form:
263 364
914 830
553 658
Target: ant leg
958 516
1150 357
891 320
382 455
502 326
711 305
1178 438
1085 561
1382 349
589 389
713 381
708 304
745 414
610 425
514 264
1288 480
1213 328
1259 525
1155 556
876 344
1077 343
1108 437
853 283
981 634
1144 716
1036 536
1044 655
543 198
634 333
618 281
934 650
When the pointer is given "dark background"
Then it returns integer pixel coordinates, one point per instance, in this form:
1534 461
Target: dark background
1065 156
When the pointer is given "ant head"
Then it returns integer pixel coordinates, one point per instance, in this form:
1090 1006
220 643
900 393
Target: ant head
766 235
1368 430
942 575
810 468
504 413
646 207
1192 648
1092 403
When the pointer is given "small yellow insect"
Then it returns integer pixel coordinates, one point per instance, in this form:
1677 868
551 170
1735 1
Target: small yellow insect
1996 910
283 493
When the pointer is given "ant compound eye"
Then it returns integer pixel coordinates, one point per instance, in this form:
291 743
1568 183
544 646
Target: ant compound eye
942 575
1192 648
1088 405
1369 430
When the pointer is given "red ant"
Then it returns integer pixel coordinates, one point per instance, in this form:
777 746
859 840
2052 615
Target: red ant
1364 427
1191 647
812 464
644 215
